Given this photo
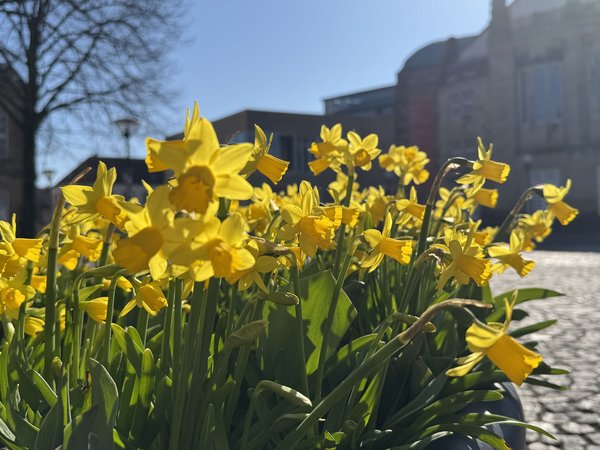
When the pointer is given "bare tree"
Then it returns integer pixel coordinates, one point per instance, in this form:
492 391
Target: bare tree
80 56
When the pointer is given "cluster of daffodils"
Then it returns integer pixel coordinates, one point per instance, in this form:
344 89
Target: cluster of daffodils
207 221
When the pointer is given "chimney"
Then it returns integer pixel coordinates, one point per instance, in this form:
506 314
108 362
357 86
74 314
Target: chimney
500 23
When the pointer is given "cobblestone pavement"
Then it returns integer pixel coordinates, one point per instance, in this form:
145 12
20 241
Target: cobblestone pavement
573 416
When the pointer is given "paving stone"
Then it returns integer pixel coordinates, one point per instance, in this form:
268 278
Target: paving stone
573 343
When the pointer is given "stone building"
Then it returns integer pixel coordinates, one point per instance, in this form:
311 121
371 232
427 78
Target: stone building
529 83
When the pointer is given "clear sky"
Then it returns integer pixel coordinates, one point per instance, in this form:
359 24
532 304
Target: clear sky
287 55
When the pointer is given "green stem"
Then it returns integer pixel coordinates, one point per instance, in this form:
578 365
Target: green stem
166 340
449 165
504 230
51 289
299 325
110 310
341 232
142 324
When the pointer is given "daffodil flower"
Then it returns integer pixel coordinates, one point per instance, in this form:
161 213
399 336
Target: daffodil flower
509 256
362 151
492 340
96 308
556 206
14 251
77 245
485 169
94 201
408 163
271 167
204 170
535 227
382 245
152 235
463 260
482 196
219 251
314 228
410 208
329 153
148 296
263 264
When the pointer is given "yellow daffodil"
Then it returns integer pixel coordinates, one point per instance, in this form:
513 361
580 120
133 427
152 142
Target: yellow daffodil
14 251
314 228
328 153
535 227
78 245
485 169
559 209
97 200
271 167
482 196
463 260
382 245
376 203
204 170
13 292
339 187
493 341
148 296
96 308
33 325
363 151
152 235
509 256
219 251
263 264
410 208
408 163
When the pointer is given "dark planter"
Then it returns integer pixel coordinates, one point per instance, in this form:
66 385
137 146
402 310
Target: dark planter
509 406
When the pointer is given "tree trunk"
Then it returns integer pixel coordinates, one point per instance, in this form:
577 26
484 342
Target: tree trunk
28 214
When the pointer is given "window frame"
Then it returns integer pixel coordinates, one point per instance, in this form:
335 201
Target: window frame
541 94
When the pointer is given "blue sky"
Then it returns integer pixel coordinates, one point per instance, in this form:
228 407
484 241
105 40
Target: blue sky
287 55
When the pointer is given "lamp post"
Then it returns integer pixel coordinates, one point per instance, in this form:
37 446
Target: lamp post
128 126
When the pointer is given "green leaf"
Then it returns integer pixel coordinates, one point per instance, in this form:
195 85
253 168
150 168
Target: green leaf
77 433
486 418
146 389
532 328
280 346
50 435
130 343
104 392
88 291
482 434
522 295
44 388
538 382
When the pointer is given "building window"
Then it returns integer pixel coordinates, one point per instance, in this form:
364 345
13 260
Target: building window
541 94
461 105
3 134
595 85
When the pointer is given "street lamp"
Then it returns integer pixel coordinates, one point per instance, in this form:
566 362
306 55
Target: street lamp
128 126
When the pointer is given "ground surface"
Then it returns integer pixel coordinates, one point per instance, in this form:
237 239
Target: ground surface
574 343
